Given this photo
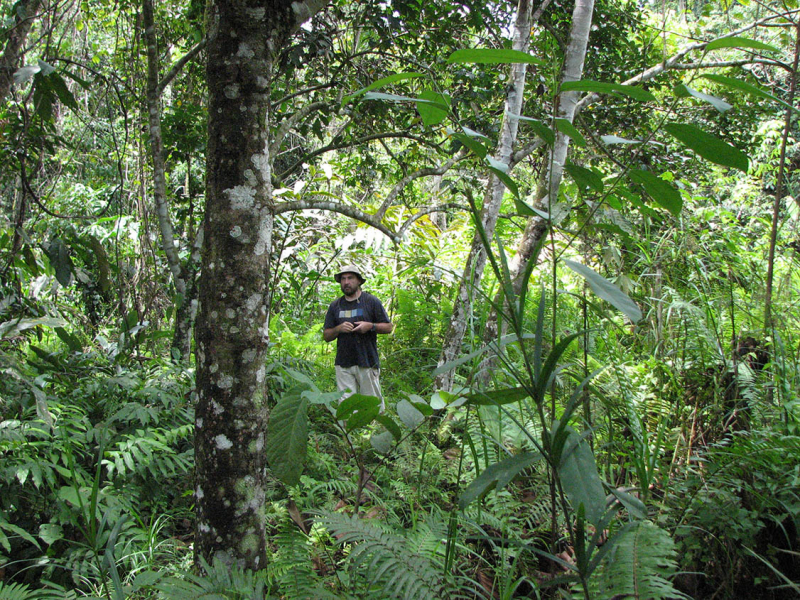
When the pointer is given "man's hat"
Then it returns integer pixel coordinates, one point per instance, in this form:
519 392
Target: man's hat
349 269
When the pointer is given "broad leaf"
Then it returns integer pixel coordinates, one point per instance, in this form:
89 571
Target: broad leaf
382 82
579 477
708 146
498 476
287 439
497 397
58 254
585 178
753 90
542 130
396 98
358 410
492 56
683 91
568 129
613 139
430 111
473 145
659 190
409 414
739 42
390 425
607 290
599 87
382 442
510 184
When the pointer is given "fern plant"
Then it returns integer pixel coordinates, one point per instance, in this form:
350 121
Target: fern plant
389 565
639 565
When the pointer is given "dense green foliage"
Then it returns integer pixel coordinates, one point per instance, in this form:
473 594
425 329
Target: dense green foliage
638 431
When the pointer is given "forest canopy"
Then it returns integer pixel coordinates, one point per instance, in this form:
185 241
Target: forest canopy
580 217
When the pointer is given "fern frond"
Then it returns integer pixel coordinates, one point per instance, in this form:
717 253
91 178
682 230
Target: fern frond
639 564
290 567
386 558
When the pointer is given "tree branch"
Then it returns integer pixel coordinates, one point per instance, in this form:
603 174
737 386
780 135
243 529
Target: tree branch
337 207
178 66
427 172
290 122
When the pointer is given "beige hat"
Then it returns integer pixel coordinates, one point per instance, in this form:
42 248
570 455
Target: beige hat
349 269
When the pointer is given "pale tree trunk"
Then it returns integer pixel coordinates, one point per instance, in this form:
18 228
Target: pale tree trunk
493 197
231 332
183 276
536 228
9 62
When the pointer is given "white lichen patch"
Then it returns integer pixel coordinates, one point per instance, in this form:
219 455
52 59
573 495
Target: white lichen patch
222 442
233 330
217 408
236 231
260 374
262 82
231 91
213 368
225 382
253 302
198 493
214 315
203 527
245 51
230 313
241 197
248 355
257 14
198 423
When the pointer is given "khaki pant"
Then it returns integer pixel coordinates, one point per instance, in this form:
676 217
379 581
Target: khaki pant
359 380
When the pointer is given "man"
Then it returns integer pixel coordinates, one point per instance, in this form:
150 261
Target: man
354 320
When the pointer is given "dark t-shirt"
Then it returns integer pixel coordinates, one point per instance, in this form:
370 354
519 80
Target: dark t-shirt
356 349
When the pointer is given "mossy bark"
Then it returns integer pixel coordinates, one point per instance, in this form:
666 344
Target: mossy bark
232 324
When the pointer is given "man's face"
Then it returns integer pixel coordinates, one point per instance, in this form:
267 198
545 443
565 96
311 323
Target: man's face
350 283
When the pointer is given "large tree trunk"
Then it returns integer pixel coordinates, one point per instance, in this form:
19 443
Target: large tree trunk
231 333
476 261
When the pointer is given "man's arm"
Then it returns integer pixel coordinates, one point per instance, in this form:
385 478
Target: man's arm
331 333
367 326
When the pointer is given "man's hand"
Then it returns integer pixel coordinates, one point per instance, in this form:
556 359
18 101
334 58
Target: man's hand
346 327
362 327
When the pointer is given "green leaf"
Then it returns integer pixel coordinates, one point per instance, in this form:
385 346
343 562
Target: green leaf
287 437
739 42
430 111
510 184
409 414
72 341
59 86
585 178
607 291
568 129
659 190
58 254
579 477
474 146
382 82
613 139
542 130
753 90
598 87
396 98
684 91
492 56
635 507
497 397
358 410
498 475
390 425
382 442
708 146
50 532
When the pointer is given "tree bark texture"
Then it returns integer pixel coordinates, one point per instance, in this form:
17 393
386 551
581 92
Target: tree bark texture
232 326
493 198
9 61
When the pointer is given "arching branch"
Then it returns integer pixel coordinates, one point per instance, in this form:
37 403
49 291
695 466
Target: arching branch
342 209
427 211
178 66
290 122
427 172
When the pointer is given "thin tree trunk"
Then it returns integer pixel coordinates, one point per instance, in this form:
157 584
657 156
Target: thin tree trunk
476 261
232 334
537 227
183 276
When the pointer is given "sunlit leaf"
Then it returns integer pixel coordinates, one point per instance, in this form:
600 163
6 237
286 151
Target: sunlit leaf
585 178
497 476
708 146
568 129
607 290
739 42
381 83
659 190
683 91
492 56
